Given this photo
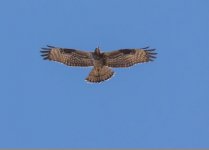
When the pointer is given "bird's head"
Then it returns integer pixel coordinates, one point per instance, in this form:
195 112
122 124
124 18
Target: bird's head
97 51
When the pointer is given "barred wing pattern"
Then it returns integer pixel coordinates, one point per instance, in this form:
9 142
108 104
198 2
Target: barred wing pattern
129 57
70 57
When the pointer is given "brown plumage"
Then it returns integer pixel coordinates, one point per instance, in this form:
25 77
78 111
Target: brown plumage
101 62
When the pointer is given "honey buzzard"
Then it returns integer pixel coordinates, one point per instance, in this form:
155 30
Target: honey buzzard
102 62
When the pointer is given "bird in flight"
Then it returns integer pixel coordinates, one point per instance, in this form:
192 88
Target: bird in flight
102 62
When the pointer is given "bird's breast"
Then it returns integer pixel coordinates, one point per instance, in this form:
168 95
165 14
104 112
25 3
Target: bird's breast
98 62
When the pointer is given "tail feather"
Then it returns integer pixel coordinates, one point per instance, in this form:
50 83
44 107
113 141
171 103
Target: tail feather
99 74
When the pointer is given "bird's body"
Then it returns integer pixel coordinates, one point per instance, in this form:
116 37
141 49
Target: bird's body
98 59
101 62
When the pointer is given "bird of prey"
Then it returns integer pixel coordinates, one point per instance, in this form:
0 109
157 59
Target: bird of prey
102 62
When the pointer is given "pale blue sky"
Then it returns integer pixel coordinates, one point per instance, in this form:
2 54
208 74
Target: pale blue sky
160 104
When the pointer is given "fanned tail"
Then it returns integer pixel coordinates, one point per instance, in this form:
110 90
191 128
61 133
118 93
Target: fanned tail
99 74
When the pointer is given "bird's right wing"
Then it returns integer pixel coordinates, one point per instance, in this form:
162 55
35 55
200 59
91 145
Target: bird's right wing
70 57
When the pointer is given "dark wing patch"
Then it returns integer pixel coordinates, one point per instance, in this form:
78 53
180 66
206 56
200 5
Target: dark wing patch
70 57
129 57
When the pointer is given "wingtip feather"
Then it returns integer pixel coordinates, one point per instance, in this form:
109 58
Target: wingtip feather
151 56
151 53
43 48
50 46
43 55
145 47
151 50
45 58
44 51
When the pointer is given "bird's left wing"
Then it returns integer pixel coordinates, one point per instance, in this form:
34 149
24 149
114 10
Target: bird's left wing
129 57
70 57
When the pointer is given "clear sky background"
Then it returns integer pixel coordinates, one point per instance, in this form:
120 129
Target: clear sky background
160 104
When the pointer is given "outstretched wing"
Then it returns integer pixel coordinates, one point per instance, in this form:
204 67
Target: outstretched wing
129 57
70 57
